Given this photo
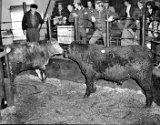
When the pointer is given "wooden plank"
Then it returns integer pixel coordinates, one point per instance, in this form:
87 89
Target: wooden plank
17 13
2 84
65 34
49 10
9 87
24 7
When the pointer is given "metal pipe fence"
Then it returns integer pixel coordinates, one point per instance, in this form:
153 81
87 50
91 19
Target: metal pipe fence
143 31
76 29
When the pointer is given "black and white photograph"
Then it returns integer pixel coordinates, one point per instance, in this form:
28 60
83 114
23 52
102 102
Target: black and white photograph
80 62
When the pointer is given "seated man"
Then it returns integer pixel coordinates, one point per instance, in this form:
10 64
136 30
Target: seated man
60 15
99 18
154 34
129 36
126 14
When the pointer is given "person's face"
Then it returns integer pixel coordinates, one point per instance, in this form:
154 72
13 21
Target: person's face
148 6
70 8
89 4
140 5
126 3
97 7
33 9
60 6
76 5
106 5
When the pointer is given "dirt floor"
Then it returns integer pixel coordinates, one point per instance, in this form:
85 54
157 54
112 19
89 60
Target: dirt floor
61 102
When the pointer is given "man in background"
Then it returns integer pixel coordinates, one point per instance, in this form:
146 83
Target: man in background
70 9
126 14
99 18
81 15
90 6
30 24
108 7
137 16
60 15
90 29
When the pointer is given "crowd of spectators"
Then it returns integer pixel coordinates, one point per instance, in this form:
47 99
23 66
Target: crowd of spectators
92 19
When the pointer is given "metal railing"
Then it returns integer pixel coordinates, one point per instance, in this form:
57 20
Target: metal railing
76 29
9 94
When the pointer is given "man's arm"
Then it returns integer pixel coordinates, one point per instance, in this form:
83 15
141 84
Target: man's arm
41 21
24 22
72 16
91 16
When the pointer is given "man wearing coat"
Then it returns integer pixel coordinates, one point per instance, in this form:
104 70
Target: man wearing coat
59 15
99 18
81 15
126 14
30 24
90 10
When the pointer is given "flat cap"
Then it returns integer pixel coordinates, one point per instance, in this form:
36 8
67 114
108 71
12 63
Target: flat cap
34 6
98 1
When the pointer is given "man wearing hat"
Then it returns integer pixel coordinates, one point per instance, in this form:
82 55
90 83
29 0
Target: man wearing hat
81 15
30 24
108 7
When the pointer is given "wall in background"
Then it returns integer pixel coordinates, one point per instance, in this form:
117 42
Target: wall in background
6 15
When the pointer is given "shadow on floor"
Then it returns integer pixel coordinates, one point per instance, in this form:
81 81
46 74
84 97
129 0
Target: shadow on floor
64 69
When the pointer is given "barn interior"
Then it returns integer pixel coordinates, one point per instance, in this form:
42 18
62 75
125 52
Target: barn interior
12 30
61 70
